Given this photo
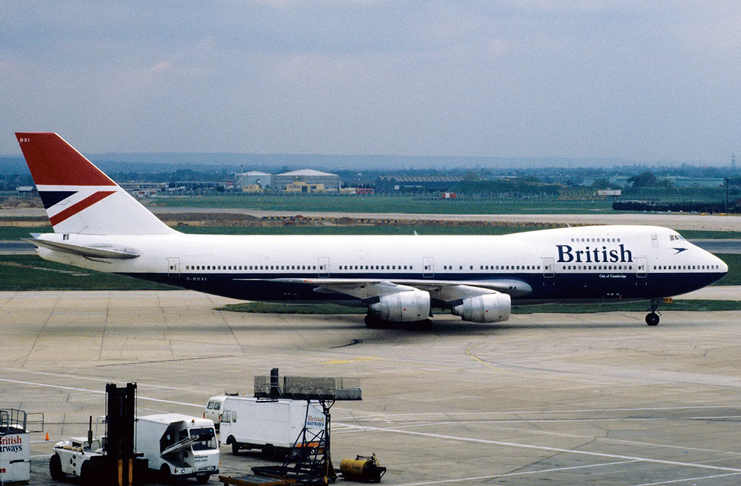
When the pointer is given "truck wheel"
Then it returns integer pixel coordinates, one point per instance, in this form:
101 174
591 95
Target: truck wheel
87 474
270 453
235 447
165 474
202 478
55 468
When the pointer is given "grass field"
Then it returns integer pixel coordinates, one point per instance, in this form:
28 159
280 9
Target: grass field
29 272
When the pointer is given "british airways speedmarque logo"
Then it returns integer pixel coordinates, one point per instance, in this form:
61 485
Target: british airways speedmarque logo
567 254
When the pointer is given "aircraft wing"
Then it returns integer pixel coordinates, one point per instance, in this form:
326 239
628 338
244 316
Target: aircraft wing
444 290
103 251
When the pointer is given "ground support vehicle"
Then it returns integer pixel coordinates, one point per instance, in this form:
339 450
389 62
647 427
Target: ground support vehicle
106 459
178 446
213 409
271 425
15 448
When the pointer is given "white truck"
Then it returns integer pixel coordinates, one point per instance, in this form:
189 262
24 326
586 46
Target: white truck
213 409
272 425
178 446
15 447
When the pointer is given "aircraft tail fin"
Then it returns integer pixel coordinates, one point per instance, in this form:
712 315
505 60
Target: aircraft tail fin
79 197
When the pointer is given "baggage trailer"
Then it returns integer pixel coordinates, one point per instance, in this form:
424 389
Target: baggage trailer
271 425
178 446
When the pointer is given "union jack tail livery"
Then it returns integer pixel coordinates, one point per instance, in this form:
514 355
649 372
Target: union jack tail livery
78 197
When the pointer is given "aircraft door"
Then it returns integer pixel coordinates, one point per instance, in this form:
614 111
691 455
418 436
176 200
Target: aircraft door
173 267
549 267
428 267
323 271
641 267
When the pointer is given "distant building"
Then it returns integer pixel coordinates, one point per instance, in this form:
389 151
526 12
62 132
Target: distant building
253 181
303 180
304 188
26 191
415 183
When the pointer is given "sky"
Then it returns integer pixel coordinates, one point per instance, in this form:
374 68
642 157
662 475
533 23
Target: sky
650 81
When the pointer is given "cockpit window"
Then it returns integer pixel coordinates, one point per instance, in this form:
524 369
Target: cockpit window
675 237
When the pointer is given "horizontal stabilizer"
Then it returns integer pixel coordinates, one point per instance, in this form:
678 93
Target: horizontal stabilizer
106 251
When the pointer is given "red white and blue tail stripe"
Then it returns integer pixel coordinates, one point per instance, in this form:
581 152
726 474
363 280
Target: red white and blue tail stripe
78 197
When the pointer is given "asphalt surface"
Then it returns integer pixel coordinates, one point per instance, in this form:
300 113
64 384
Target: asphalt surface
558 399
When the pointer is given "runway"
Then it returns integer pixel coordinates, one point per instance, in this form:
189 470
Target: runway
560 399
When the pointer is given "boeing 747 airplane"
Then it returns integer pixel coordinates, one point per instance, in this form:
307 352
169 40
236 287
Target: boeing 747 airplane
99 226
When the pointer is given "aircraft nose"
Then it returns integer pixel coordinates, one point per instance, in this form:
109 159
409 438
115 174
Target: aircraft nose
722 266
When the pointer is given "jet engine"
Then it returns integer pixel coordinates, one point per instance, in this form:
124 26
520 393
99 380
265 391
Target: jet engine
493 307
407 306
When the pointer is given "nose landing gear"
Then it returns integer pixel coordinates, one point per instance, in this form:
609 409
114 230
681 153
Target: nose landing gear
652 319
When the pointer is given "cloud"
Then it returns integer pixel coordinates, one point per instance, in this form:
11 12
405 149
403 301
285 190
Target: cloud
636 80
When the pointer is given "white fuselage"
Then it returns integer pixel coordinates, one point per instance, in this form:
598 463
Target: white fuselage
593 263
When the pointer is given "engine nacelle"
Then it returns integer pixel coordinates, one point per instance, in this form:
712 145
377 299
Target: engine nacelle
407 306
484 308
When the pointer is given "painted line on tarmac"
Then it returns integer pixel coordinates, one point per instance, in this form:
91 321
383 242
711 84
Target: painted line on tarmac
544 448
523 473
97 392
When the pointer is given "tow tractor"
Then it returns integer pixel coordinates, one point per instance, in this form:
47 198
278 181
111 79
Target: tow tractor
106 459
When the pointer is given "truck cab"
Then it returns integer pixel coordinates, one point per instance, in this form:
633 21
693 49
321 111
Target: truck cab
178 446
213 409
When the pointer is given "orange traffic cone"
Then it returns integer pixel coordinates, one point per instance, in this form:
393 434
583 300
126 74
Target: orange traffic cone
47 436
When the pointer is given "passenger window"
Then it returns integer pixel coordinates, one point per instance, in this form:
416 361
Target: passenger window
210 405
234 416
225 416
217 406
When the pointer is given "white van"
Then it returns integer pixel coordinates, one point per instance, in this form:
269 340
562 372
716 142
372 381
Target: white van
213 409
271 425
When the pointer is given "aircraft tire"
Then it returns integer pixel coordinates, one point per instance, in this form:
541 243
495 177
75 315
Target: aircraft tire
420 326
652 319
374 322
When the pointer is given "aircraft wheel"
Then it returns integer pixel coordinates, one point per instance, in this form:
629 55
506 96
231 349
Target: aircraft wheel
374 322
423 326
55 468
652 319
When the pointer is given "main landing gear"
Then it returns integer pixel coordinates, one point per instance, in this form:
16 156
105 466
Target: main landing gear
652 319
374 322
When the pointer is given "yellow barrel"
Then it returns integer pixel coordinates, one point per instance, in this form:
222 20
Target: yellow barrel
352 469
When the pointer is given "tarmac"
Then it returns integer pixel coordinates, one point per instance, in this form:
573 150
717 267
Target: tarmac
558 399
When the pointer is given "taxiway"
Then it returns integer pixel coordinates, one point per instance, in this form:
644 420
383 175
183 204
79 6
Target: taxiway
562 399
